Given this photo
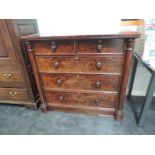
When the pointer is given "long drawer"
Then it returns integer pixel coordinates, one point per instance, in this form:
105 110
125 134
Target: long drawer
105 100
81 82
13 94
104 65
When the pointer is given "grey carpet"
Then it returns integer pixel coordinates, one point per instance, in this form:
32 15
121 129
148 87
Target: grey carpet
20 120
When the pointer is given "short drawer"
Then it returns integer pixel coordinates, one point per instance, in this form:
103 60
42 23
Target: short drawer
82 64
11 79
10 76
53 47
81 82
106 100
13 94
100 46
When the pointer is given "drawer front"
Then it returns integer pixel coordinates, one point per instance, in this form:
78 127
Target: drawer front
81 82
84 64
81 99
53 47
10 76
13 94
101 46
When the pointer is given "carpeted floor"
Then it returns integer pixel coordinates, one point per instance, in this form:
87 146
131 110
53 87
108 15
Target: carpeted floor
20 120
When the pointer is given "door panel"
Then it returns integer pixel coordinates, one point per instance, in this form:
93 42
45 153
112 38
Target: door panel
7 53
2 49
26 26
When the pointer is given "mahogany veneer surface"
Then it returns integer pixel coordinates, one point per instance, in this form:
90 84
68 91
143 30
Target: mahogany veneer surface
81 82
81 64
84 74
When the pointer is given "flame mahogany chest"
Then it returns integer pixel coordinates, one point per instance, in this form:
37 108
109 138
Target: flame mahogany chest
84 74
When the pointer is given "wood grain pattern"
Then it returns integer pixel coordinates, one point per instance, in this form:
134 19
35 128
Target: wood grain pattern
109 46
119 35
36 76
82 99
81 82
7 52
61 47
13 94
84 110
83 64
15 87
10 76
90 80
129 48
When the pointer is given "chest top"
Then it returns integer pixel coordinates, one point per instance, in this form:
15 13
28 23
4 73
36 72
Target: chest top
120 35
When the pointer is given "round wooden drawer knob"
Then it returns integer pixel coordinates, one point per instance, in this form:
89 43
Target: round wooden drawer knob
98 65
56 65
58 83
53 46
99 46
61 98
97 84
97 102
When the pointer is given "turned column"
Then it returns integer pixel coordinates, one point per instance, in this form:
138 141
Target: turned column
128 52
29 49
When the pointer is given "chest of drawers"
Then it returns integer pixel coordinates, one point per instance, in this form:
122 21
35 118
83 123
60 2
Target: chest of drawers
17 84
84 74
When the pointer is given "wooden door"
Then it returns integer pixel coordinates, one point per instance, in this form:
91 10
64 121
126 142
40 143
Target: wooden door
25 26
7 53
